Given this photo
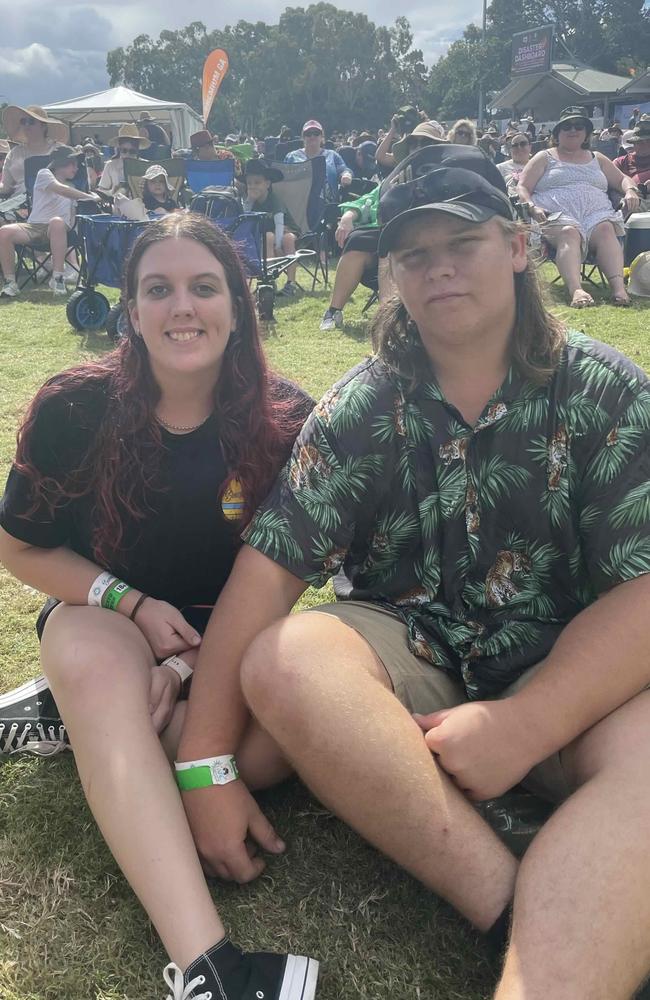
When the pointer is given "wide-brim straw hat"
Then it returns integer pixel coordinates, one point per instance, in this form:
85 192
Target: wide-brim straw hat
56 130
129 132
431 130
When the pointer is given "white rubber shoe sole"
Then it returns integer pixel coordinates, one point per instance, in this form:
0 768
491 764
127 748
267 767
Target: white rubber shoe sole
300 978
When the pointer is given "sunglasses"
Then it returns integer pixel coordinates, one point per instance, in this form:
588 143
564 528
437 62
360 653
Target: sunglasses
129 149
312 133
463 134
518 145
27 121
572 127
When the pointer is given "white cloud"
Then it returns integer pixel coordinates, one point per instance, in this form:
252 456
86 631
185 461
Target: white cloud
51 54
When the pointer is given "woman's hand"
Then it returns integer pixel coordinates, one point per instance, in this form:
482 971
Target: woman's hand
538 214
165 690
163 694
164 628
631 201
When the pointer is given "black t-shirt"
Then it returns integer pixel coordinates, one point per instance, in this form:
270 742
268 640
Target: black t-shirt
183 551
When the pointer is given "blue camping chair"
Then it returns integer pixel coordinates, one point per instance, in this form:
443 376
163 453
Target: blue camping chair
201 174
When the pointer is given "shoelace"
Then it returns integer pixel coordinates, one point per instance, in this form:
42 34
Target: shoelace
180 991
13 740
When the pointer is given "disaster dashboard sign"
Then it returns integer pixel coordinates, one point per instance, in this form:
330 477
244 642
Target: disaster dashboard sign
531 50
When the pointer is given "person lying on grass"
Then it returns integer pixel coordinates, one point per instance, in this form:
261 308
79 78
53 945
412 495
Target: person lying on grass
50 220
483 483
133 478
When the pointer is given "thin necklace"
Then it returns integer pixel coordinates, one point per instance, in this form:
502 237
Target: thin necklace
186 430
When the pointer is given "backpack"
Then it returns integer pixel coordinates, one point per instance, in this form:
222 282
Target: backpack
217 203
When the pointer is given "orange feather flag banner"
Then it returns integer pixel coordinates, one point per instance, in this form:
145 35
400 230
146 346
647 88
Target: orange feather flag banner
215 68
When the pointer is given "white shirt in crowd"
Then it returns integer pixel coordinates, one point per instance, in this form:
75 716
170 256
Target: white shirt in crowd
112 176
47 204
13 172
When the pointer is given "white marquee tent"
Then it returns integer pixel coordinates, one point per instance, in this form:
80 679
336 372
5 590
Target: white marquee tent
120 105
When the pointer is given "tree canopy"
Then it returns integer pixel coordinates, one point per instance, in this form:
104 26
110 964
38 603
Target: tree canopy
338 66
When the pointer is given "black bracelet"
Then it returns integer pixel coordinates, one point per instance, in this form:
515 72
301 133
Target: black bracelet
138 604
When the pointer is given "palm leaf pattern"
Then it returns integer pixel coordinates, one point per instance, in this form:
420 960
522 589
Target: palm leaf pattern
627 559
638 412
271 532
582 414
427 571
354 401
614 456
418 428
633 509
510 634
496 479
530 411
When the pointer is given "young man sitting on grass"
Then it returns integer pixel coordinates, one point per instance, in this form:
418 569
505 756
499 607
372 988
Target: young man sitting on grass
51 218
483 482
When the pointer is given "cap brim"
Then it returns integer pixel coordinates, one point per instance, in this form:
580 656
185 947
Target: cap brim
460 209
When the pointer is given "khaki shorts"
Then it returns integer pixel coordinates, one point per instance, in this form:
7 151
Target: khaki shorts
36 232
423 688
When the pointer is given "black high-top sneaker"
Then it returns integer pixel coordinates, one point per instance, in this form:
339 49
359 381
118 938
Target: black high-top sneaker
225 973
30 721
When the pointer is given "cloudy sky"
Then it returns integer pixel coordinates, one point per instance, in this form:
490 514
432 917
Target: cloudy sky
53 51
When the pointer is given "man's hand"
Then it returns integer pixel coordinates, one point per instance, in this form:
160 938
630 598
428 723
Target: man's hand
165 629
483 746
343 230
228 828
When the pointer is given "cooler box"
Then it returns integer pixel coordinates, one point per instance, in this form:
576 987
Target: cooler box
637 236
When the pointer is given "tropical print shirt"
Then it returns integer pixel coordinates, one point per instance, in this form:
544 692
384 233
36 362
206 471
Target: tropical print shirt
486 540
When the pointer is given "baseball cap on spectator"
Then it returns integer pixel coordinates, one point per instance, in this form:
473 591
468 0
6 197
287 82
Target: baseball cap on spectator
430 130
200 139
312 124
457 180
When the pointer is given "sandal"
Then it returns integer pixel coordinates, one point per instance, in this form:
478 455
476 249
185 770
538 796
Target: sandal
583 302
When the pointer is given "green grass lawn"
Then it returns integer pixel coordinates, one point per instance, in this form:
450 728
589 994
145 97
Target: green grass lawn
70 928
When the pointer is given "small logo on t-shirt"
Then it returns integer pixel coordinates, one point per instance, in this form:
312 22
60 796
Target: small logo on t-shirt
232 501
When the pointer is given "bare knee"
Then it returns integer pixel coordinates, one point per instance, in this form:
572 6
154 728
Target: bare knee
83 650
57 225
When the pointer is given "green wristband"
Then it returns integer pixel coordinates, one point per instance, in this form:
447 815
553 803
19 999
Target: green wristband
200 774
114 595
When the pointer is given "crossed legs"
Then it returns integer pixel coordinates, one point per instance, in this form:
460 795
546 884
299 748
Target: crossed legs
581 903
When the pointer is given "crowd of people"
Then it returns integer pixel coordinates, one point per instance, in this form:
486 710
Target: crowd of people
577 198
488 533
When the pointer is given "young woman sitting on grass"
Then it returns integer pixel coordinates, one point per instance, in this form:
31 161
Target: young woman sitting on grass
133 479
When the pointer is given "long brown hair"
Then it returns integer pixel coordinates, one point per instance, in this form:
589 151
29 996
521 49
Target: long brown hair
538 336
121 468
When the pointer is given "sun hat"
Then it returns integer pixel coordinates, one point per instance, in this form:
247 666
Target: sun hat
129 132
431 130
574 113
155 170
628 138
312 123
641 130
12 114
200 139
63 155
144 116
458 180
258 168
639 283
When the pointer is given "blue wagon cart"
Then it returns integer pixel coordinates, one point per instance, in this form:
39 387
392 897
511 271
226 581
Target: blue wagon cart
106 242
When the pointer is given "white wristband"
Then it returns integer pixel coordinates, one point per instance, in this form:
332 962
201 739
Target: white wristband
99 588
182 668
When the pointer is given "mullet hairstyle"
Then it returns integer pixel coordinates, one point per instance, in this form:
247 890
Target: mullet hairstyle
256 422
538 336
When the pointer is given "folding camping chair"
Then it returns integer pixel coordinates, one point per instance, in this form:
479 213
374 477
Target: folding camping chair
201 174
34 259
300 194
